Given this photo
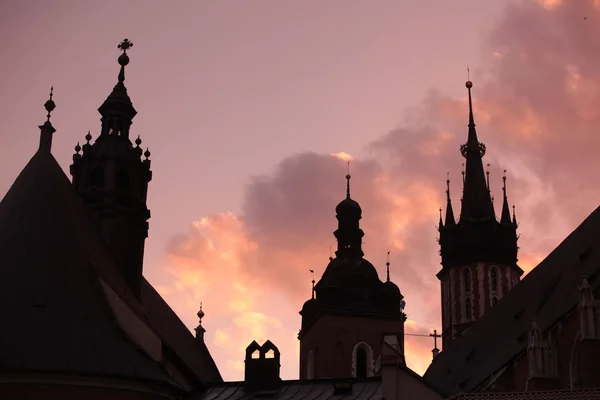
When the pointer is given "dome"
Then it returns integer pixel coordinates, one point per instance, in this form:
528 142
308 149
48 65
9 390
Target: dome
391 289
309 306
348 207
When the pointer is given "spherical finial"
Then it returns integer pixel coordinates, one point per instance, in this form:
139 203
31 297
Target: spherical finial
77 148
138 141
50 105
147 154
123 59
348 176
469 84
200 313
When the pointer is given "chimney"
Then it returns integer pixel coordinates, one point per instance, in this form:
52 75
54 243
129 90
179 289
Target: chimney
262 368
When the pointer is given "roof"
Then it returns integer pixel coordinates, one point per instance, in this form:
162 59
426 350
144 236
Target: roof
548 292
564 394
192 352
50 294
364 389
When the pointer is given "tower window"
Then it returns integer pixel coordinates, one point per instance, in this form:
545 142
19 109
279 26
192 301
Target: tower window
97 177
467 280
122 180
468 309
310 366
494 279
361 363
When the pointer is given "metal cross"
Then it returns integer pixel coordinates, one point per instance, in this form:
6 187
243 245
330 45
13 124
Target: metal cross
125 45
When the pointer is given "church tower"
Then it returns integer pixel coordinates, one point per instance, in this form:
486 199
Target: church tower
111 177
479 252
351 309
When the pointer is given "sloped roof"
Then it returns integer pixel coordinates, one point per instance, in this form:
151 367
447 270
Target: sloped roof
192 352
548 292
564 394
55 314
363 389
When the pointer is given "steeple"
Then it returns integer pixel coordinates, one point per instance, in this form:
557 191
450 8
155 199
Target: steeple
112 178
450 222
349 235
47 130
477 203
505 218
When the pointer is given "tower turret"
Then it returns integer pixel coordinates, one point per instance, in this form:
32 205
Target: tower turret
479 253
112 178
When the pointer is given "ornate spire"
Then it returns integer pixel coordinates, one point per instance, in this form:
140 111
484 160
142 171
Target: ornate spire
514 216
477 202
441 223
200 329
46 130
387 266
117 110
450 222
349 235
505 218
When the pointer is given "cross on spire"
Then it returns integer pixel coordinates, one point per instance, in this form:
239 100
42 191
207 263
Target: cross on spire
312 271
435 337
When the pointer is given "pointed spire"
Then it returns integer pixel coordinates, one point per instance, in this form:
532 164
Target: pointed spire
46 130
477 202
387 266
450 221
312 271
117 110
441 223
348 176
505 218
200 329
514 216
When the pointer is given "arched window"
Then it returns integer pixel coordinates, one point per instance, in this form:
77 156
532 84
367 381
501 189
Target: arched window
310 366
362 361
494 279
494 301
97 177
468 309
467 280
122 180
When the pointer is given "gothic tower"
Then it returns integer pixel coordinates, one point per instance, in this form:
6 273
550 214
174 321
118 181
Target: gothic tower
350 310
479 252
112 179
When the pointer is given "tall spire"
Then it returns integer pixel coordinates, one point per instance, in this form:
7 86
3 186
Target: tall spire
450 222
505 218
477 202
46 130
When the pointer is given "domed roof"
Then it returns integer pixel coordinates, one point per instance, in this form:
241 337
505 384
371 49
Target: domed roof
309 306
340 270
391 289
348 207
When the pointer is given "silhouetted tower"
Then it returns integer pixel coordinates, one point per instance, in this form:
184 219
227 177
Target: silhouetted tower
479 253
111 177
344 323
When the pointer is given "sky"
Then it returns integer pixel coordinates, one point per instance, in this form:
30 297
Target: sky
251 110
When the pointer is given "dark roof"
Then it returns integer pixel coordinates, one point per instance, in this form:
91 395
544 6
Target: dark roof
548 292
192 352
563 394
54 311
364 389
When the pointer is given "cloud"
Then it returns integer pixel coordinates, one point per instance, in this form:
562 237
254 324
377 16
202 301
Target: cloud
537 108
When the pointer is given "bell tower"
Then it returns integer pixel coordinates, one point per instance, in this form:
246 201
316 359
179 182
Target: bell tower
479 252
112 179
351 309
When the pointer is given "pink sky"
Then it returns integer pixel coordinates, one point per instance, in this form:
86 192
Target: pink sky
242 103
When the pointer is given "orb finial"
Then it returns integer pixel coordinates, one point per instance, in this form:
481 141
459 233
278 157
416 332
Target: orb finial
468 84
124 58
200 313
50 105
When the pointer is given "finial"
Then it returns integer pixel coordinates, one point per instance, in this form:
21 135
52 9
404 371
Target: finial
49 105
124 58
487 174
312 271
330 254
387 263
200 313
448 186
348 176
77 148
88 137
504 183
147 153
468 84
138 141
